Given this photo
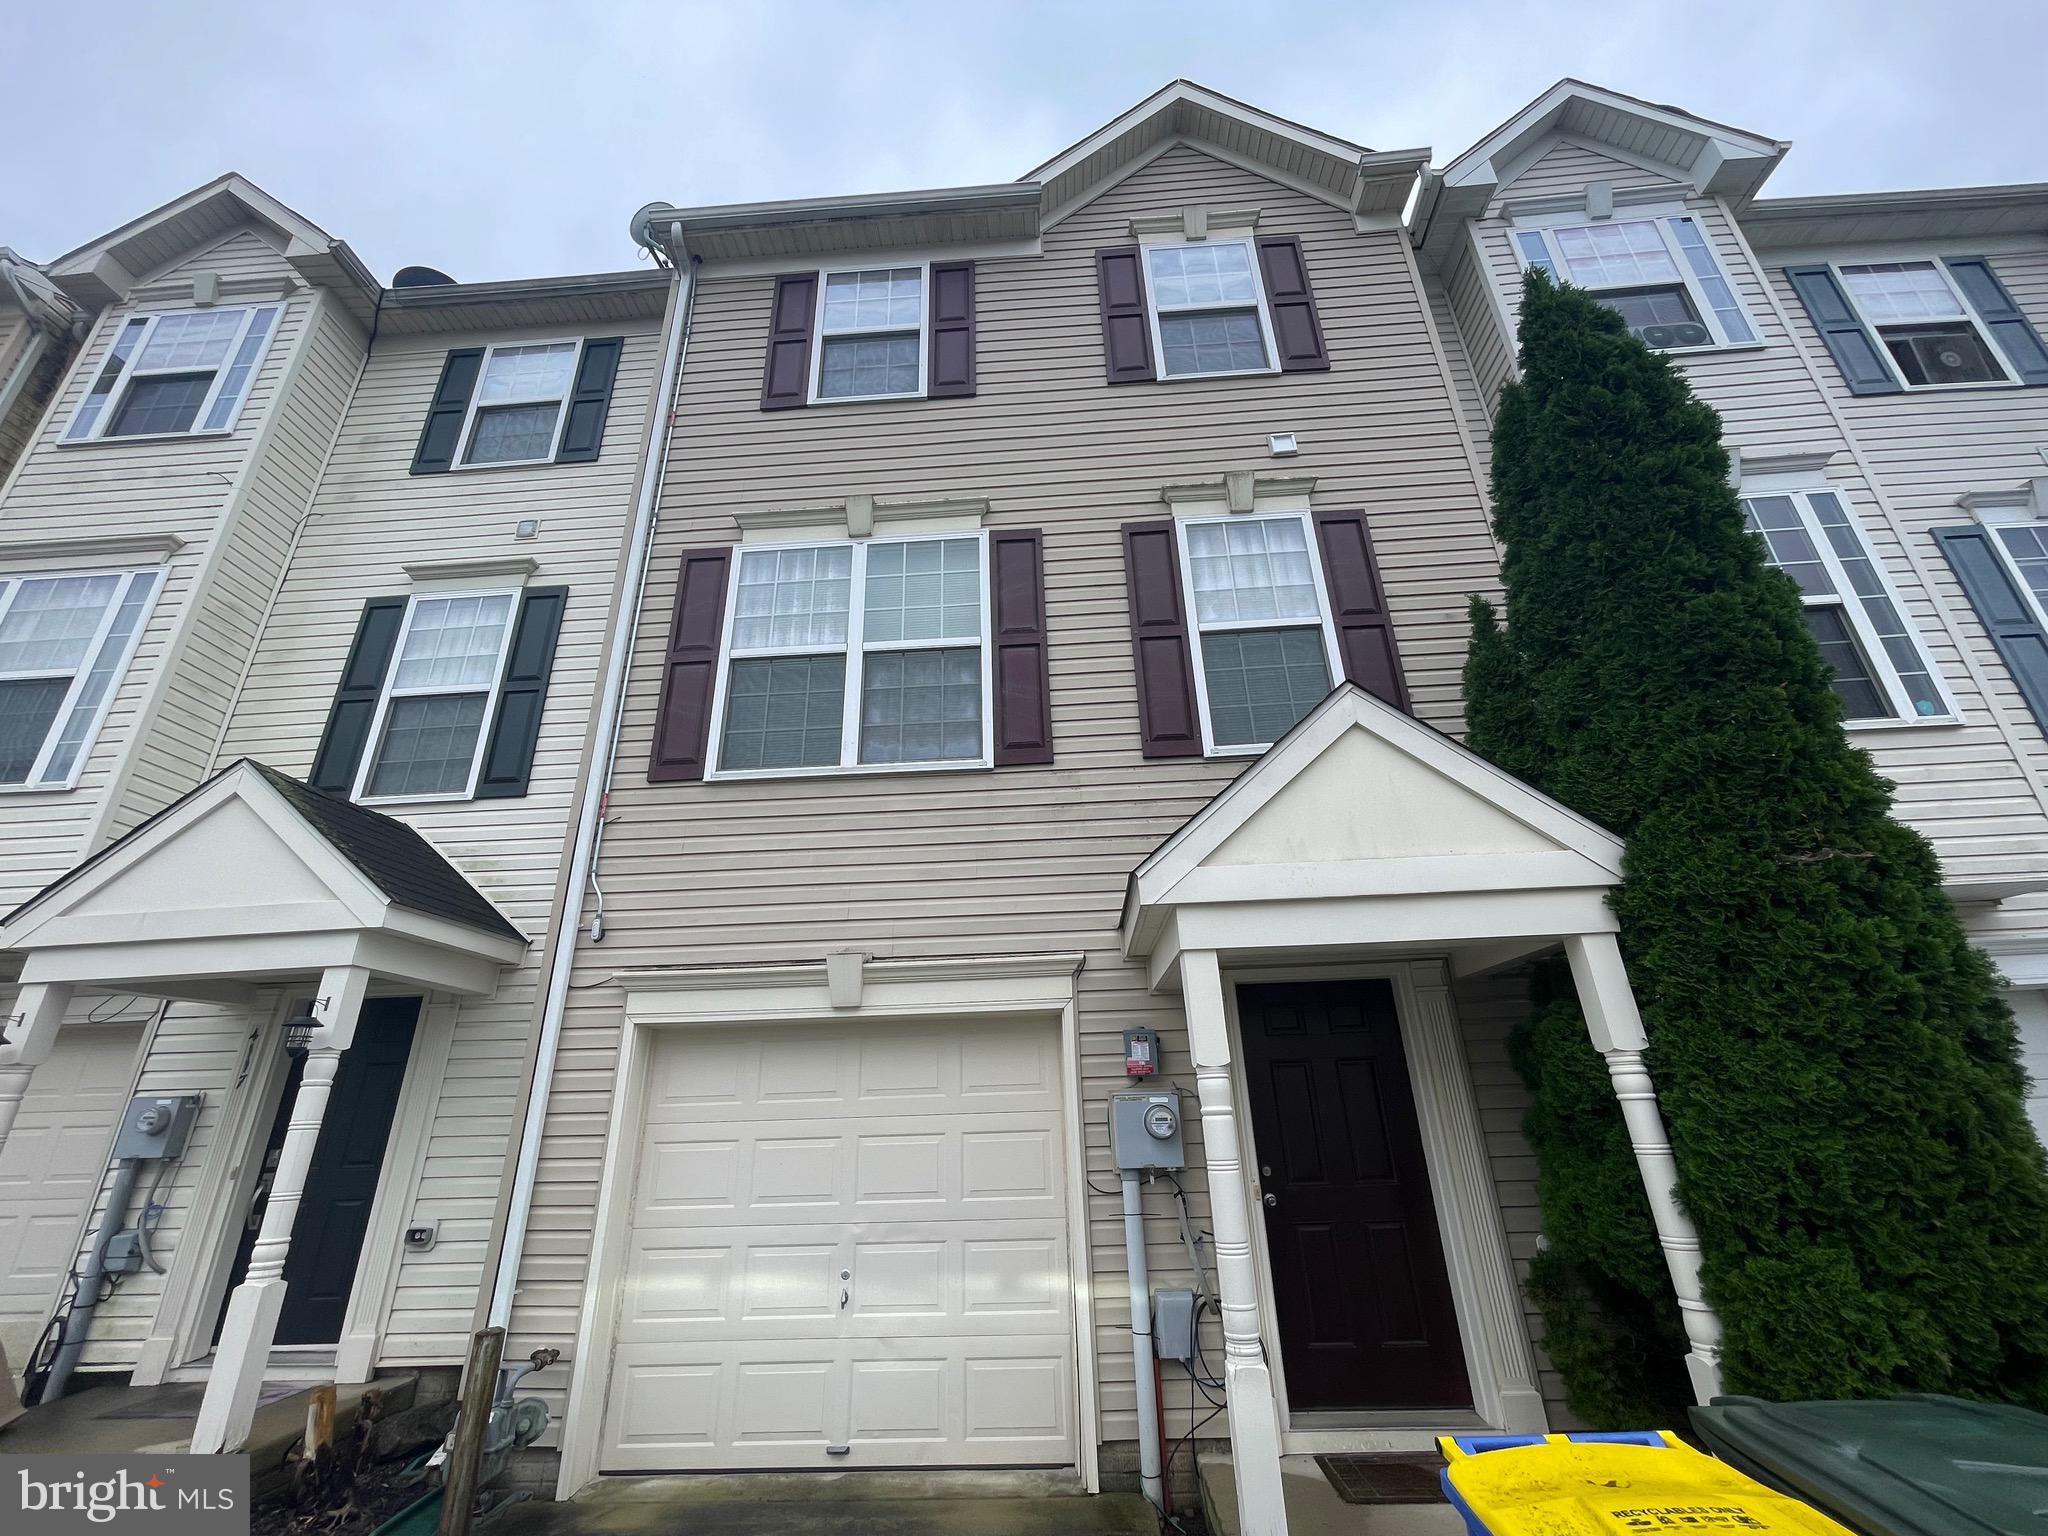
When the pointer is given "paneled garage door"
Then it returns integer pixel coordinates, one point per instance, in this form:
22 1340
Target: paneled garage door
848 1248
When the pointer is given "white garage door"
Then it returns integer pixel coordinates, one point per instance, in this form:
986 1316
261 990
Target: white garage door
51 1167
851 1237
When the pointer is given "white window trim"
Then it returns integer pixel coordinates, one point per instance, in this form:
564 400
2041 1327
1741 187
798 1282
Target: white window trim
1332 655
924 331
1150 243
129 374
1545 224
2007 378
477 406
151 580
374 742
1882 672
2015 514
854 650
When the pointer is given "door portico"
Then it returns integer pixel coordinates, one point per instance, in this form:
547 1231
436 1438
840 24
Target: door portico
1365 843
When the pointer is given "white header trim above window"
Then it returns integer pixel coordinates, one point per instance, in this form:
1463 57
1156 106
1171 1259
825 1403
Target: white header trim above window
890 516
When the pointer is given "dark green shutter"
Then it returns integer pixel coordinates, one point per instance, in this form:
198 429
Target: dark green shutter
1865 368
442 434
2016 338
583 433
508 756
355 701
2003 610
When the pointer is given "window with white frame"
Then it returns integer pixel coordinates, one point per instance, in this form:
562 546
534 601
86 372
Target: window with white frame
1265 651
522 396
185 371
1658 274
439 697
871 334
2022 539
1924 324
869 653
1208 308
1882 671
64 642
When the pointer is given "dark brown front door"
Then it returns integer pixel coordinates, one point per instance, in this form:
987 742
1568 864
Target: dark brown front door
1366 1316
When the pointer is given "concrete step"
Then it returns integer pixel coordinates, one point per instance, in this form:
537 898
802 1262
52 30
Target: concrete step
1314 1509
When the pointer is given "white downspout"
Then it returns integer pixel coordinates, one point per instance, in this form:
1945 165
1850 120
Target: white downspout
589 820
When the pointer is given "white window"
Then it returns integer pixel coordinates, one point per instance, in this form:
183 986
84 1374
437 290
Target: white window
2022 539
186 371
1208 309
1265 650
870 653
521 399
64 642
1658 274
1924 324
871 329
439 698
1882 672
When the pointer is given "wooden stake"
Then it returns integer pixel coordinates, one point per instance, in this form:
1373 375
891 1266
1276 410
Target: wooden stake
479 1387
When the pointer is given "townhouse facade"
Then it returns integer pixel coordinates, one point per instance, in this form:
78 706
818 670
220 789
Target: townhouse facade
729 771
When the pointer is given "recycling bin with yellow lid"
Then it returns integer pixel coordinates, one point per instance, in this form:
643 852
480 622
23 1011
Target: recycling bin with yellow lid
1631 1483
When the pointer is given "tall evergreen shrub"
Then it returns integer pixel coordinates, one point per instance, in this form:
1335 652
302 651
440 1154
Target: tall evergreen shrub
1838 1071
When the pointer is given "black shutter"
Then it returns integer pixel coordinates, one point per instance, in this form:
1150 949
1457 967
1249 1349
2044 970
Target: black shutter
1365 632
355 701
1126 328
1168 725
1865 369
786 376
950 368
682 726
522 695
2016 337
1296 330
440 437
583 432
1021 666
2003 610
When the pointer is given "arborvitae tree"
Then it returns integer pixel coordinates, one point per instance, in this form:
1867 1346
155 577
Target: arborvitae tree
1840 1076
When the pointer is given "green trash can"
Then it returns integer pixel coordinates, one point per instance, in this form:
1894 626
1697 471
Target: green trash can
1915 1465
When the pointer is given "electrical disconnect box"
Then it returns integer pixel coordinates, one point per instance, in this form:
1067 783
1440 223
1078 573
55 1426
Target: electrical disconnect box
1173 1324
157 1125
1141 1052
1145 1130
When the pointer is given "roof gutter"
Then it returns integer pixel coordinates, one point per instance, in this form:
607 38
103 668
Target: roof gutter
589 823
829 210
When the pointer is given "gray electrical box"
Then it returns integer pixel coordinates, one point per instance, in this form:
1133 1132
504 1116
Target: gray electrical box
1145 1130
157 1125
1173 1325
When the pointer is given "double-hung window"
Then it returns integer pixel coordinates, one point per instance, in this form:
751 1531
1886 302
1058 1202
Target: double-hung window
1658 274
2022 540
165 374
868 653
1208 309
871 329
64 642
434 714
1265 650
1882 671
522 395
1924 324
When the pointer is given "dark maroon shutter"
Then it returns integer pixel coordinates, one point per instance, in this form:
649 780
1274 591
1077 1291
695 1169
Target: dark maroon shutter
1126 328
786 377
1023 682
1365 634
682 729
1167 722
951 370
1296 330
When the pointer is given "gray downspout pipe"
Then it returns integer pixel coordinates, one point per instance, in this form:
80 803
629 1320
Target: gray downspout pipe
78 1322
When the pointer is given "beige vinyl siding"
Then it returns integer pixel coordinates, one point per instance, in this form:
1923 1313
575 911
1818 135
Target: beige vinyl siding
1022 859
371 517
1565 167
1458 359
1482 335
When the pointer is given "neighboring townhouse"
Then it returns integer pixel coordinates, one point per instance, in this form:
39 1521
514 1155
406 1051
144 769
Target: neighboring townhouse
39 333
307 867
1878 366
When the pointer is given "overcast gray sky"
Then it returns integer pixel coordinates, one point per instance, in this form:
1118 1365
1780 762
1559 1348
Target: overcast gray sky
514 138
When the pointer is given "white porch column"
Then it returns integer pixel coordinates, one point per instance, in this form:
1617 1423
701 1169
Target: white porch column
31 1035
1247 1379
1617 1031
229 1407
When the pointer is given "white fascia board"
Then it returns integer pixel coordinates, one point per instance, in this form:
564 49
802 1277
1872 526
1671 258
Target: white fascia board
1171 96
